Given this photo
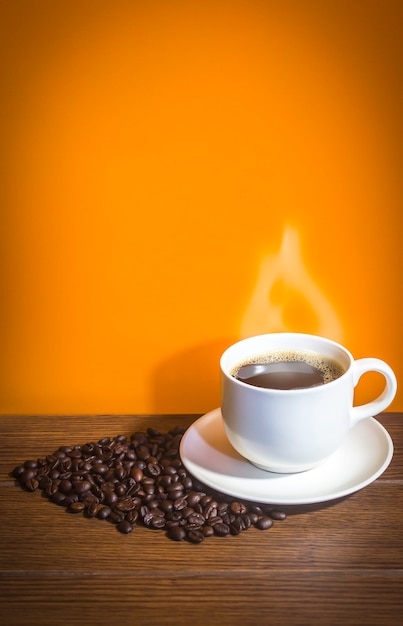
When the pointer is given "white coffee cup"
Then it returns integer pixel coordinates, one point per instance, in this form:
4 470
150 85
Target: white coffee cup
293 430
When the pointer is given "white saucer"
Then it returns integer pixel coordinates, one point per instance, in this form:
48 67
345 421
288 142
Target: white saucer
210 458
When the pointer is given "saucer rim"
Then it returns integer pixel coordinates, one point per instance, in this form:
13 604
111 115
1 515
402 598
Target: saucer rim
286 501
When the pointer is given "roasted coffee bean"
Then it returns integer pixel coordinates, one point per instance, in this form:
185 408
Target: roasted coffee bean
124 527
137 474
44 482
174 516
136 502
180 503
176 533
151 520
215 520
76 507
51 489
119 449
221 529
147 517
17 471
96 491
27 474
109 485
277 515
164 481
205 499
210 509
153 505
91 510
108 476
126 504
196 519
103 512
194 498
144 510
133 489
130 458
187 482
169 523
31 484
174 488
142 452
65 485
82 486
110 497
174 494
246 521
171 454
73 497
137 438
208 531
254 508
100 468
149 489
157 521
67 463
58 497
153 454
264 522
119 472
253 517
187 511
116 516
195 536
153 432
238 508
228 518
166 506
222 508
120 490
148 480
88 497
236 527
153 468
132 516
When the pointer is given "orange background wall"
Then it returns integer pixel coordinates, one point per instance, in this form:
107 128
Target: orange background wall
154 156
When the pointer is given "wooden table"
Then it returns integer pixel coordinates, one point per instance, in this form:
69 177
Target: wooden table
334 564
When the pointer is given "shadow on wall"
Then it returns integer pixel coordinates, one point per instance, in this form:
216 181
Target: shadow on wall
189 381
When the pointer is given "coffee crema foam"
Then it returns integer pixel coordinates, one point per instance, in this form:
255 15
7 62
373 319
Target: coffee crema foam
328 367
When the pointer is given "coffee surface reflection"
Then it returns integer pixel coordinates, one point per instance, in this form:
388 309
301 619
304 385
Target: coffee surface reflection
288 371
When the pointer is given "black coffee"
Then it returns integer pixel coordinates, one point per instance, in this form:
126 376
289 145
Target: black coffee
288 370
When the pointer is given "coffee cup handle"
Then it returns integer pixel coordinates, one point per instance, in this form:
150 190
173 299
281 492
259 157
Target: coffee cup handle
362 366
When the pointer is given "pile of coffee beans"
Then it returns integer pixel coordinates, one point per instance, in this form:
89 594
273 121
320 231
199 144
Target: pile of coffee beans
140 480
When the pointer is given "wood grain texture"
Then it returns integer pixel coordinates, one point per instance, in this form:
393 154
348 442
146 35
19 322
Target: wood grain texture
325 564
282 598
